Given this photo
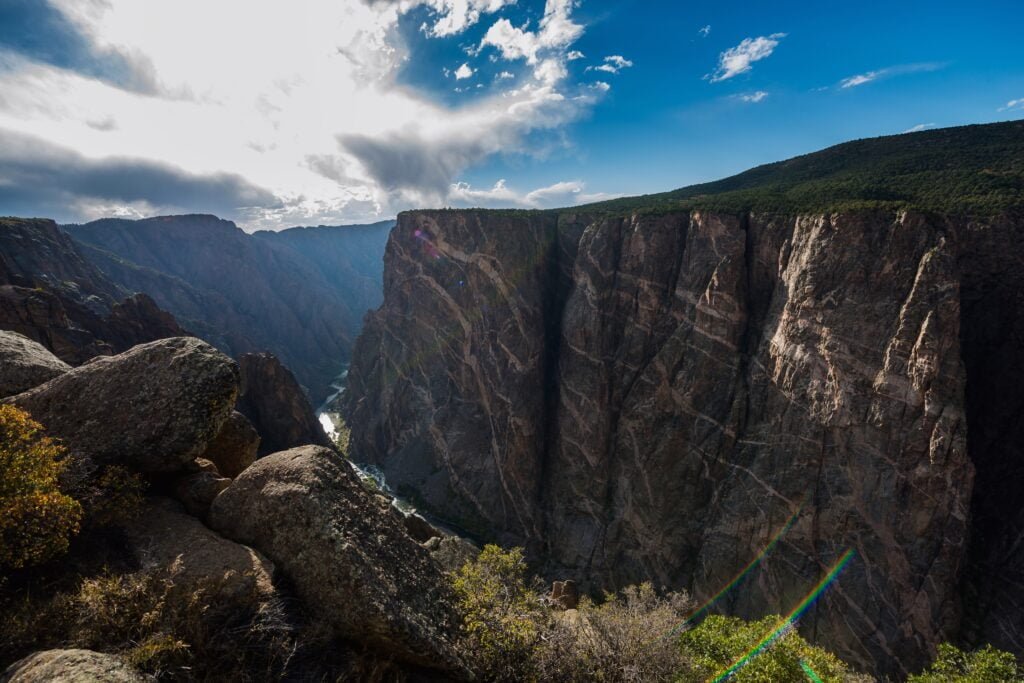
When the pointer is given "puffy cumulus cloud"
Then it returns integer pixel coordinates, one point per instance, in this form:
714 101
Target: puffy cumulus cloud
1013 104
740 59
556 33
463 72
566 193
613 64
266 113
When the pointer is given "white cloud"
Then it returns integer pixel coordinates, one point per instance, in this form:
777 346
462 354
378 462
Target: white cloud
557 32
758 96
574 55
566 193
705 31
455 16
859 79
920 127
463 72
888 72
506 75
738 60
1013 104
298 109
601 86
613 64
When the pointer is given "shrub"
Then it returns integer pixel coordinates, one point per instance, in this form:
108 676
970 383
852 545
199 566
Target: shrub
719 641
987 665
502 618
36 519
629 637
175 631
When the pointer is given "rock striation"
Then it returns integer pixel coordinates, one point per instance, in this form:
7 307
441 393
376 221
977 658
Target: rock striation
659 395
347 555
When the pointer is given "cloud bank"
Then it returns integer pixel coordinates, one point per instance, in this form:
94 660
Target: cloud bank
272 114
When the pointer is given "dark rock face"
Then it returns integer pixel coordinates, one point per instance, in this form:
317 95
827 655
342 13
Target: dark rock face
235 446
52 294
25 364
275 404
71 666
300 294
348 557
153 408
656 397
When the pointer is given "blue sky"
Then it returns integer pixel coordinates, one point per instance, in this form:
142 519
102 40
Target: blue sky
340 111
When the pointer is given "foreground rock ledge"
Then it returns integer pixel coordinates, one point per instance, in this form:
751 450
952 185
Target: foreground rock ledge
71 666
154 407
349 560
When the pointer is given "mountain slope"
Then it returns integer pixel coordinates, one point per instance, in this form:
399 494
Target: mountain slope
248 293
655 390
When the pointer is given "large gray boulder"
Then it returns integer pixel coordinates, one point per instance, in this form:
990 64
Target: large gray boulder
25 364
348 557
71 666
153 408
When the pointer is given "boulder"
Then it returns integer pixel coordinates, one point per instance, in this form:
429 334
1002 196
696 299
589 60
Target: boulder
71 666
419 529
163 536
235 446
349 559
25 364
153 408
451 552
196 490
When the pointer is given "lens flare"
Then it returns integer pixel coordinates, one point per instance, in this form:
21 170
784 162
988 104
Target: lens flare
789 620
743 573
810 672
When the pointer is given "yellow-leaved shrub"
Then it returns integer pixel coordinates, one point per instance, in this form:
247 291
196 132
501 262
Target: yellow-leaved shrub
37 520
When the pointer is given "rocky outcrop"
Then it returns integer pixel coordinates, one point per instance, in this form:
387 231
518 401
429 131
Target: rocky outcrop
52 294
657 396
153 408
25 364
347 556
71 666
300 294
163 537
235 446
276 405
451 552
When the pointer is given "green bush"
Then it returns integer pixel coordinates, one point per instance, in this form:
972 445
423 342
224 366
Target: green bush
719 642
987 665
36 518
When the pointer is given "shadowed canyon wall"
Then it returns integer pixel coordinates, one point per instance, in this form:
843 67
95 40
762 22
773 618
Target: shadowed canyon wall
658 396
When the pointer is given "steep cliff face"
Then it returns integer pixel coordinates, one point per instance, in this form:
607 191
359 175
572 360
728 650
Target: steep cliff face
658 396
247 293
52 294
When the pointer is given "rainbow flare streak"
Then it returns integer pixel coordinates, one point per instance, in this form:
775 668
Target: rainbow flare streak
810 672
789 620
736 580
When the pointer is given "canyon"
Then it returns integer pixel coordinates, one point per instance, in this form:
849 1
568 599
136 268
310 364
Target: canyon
667 388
